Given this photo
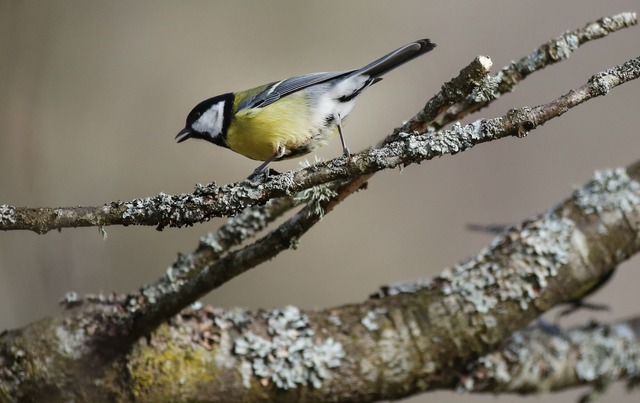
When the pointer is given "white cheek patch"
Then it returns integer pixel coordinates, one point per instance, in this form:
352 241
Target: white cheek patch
211 121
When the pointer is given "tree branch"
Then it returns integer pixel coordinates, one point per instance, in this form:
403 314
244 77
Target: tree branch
543 358
415 336
554 51
212 200
191 278
410 338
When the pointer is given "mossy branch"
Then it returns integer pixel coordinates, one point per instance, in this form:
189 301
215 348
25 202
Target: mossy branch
414 337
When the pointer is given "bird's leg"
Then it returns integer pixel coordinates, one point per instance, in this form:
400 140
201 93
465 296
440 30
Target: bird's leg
263 167
345 149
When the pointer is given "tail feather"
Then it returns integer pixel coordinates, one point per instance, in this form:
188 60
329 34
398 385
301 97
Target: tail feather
396 58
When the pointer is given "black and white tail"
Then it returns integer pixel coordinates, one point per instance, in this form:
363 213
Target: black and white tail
396 58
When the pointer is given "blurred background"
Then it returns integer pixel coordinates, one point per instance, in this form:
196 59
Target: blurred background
92 94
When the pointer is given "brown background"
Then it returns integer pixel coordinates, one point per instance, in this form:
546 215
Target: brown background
92 93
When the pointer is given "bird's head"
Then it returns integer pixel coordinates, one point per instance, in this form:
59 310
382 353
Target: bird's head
209 120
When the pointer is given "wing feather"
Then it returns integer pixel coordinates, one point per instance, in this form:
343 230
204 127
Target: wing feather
280 89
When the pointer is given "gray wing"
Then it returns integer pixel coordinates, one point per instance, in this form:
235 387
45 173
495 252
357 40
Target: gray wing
283 88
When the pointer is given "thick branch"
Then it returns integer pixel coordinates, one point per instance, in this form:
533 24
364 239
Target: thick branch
414 337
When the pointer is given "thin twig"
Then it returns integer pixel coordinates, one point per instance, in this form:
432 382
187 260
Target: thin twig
554 51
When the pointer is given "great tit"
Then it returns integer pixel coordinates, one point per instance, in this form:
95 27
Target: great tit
292 117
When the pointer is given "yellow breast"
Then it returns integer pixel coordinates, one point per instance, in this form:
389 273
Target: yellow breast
257 133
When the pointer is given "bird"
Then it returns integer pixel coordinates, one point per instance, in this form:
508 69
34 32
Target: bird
292 117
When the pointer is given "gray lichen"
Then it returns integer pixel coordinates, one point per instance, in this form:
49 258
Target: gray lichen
235 317
530 361
289 356
236 230
562 47
171 210
370 320
602 82
514 267
485 91
210 240
314 197
606 353
540 359
71 341
70 299
173 280
334 320
459 138
7 214
404 287
609 190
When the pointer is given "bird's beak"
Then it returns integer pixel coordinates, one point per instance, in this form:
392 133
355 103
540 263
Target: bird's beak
184 134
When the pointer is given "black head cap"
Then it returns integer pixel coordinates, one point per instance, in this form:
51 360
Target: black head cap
209 120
